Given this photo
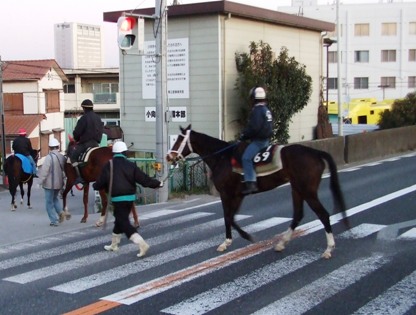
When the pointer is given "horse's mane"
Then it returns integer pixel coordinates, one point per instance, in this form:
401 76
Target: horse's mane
215 144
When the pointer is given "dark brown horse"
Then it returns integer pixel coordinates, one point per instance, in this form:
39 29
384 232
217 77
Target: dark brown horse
89 172
17 177
302 167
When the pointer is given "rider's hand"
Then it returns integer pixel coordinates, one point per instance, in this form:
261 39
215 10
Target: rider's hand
161 184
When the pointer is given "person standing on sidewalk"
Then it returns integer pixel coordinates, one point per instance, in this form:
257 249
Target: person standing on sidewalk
51 176
125 174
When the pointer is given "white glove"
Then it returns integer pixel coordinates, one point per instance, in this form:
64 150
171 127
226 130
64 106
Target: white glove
161 184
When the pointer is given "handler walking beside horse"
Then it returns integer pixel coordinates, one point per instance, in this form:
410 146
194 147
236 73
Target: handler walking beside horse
119 177
51 176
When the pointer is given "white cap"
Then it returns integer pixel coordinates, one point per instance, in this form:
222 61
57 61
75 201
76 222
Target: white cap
119 147
53 143
259 93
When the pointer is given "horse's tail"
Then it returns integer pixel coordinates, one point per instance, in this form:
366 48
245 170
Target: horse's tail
339 202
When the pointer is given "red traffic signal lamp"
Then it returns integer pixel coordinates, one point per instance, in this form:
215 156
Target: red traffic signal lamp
126 38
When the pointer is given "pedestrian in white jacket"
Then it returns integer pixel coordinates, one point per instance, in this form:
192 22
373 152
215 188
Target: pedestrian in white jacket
51 176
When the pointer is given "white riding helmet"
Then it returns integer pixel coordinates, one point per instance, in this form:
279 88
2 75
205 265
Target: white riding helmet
259 93
119 147
53 143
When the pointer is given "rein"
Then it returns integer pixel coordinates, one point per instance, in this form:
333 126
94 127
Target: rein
187 141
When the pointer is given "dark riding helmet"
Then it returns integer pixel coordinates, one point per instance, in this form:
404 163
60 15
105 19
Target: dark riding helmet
87 103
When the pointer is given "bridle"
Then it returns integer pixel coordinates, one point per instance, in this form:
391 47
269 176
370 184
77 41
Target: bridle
185 142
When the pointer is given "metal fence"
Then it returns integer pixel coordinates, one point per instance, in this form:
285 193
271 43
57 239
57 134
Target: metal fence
189 176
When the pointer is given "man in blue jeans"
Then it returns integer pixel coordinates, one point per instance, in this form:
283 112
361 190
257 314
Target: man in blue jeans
259 130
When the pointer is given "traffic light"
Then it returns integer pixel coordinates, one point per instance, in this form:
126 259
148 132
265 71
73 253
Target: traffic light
126 38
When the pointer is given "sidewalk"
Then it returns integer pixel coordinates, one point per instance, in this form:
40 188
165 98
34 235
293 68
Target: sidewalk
26 224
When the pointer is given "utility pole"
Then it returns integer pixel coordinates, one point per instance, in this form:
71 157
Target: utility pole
3 133
161 94
340 118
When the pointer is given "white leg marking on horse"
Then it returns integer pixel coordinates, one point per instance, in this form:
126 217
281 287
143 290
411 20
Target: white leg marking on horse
286 237
68 215
330 246
223 246
100 221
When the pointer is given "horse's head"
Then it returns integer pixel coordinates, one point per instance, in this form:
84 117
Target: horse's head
35 155
182 146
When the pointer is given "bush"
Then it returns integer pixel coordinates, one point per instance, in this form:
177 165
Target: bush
402 113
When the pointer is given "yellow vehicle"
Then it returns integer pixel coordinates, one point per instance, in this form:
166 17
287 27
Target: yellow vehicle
366 113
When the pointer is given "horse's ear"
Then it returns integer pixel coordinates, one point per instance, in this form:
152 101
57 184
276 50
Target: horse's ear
187 128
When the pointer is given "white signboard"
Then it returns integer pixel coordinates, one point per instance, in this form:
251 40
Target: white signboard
177 114
177 69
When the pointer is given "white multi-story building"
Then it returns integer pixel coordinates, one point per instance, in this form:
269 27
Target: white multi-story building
78 46
377 44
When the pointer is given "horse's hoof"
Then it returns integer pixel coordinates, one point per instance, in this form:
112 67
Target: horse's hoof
221 248
30 207
83 220
68 216
326 255
99 224
279 247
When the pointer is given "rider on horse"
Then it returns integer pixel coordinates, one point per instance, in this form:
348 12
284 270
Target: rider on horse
259 131
87 133
23 146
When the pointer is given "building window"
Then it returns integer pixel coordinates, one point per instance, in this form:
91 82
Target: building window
412 82
361 56
388 55
332 83
388 82
69 88
412 54
332 56
360 83
412 28
52 101
388 29
362 29
105 93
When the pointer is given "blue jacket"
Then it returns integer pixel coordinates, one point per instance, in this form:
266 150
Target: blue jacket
260 123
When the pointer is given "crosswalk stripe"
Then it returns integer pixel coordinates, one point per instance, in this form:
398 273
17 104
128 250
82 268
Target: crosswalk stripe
51 270
397 300
361 231
211 299
318 291
409 235
122 271
69 248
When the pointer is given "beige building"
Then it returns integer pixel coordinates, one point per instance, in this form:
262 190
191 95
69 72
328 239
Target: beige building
203 39
33 100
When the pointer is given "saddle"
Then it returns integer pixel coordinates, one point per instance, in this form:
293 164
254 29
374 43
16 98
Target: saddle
84 156
266 162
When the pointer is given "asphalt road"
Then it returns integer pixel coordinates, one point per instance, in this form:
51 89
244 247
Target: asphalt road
372 270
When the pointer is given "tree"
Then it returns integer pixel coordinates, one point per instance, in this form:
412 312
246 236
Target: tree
285 80
402 113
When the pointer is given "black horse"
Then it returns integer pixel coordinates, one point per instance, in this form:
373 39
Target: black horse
302 167
17 177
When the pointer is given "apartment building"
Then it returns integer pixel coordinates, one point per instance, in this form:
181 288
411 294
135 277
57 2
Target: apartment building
377 43
78 46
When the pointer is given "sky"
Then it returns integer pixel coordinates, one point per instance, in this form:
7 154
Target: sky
26 26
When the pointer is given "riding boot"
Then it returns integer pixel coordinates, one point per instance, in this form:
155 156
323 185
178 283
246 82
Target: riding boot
251 187
115 240
143 246
79 179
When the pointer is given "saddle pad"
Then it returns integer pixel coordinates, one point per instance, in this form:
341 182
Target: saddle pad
26 165
83 158
266 162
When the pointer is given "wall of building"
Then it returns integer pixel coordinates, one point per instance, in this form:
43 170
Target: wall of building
374 14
